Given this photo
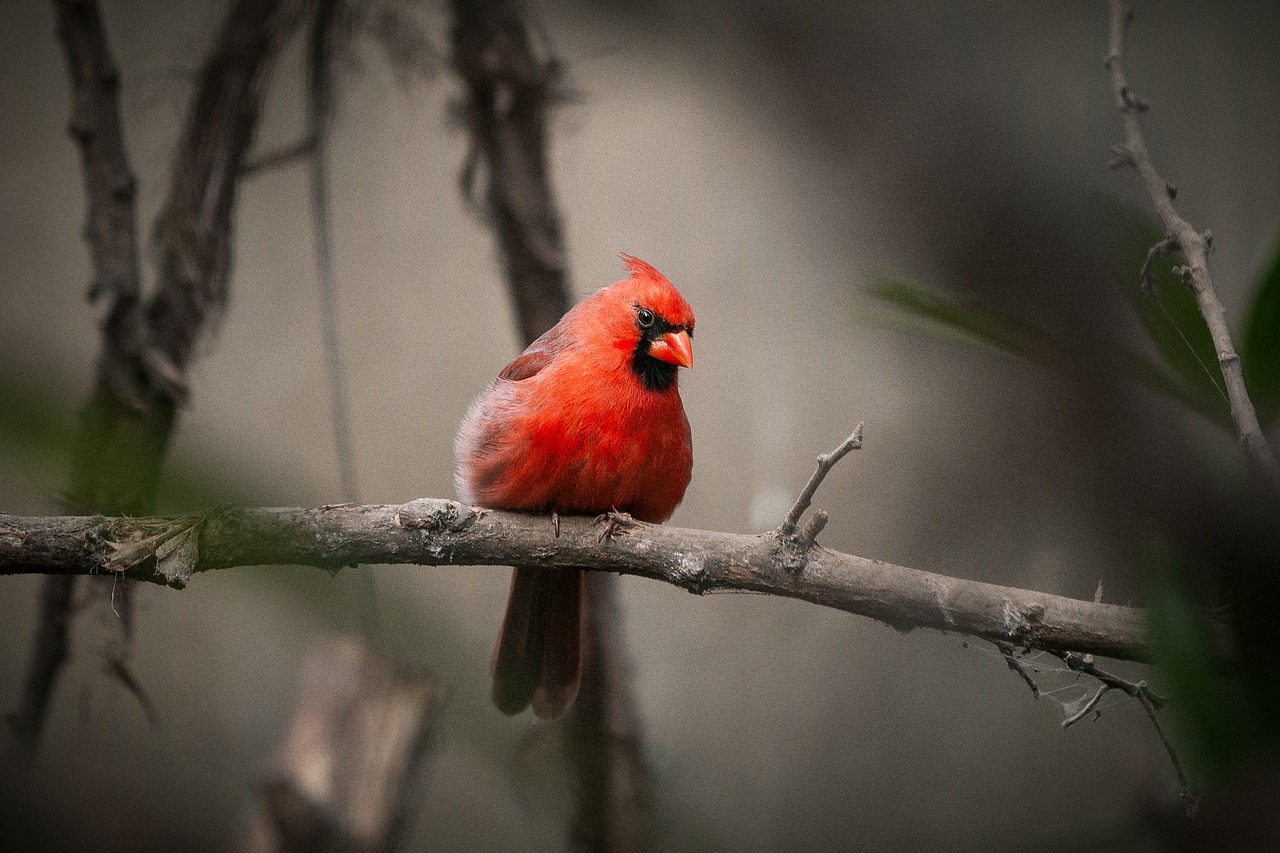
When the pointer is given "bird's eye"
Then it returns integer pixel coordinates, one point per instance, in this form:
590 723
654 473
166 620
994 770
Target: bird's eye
645 318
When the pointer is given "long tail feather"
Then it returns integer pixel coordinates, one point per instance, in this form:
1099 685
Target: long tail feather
538 656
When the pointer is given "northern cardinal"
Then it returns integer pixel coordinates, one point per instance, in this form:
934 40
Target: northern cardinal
587 420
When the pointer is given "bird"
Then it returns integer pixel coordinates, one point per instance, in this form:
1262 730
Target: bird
588 420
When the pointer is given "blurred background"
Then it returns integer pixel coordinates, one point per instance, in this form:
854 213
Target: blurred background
782 164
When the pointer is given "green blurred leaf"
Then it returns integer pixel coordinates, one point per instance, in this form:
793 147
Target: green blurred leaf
1260 346
982 326
970 322
1211 718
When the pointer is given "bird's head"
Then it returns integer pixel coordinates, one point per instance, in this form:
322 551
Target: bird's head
650 319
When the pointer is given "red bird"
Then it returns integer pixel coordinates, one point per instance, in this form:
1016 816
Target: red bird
588 419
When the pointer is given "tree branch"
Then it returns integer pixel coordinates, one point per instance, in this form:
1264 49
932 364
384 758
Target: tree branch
346 774
509 90
1195 246
111 232
442 532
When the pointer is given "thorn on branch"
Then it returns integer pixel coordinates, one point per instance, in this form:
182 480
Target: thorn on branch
1170 190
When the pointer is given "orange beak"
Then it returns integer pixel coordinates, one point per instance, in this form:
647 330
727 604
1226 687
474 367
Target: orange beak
673 348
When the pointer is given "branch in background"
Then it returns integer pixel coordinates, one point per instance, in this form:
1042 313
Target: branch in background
102 475
1194 246
325 42
194 231
141 379
510 90
345 777
440 532
606 738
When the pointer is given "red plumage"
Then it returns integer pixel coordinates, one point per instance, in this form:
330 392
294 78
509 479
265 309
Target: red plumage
588 419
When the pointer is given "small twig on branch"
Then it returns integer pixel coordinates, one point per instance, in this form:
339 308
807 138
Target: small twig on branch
1195 246
826 462
1083 663
1140 690
1019 666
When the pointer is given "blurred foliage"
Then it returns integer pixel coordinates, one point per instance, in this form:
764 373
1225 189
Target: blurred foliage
1226 713
1209 714
1260 346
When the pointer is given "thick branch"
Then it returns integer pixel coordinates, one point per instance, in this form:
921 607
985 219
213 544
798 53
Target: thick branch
509 90
1195 246
440 532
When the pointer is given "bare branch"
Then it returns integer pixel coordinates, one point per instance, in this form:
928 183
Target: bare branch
440 532
1194 246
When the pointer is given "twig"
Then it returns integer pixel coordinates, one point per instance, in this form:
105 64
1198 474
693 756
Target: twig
1195 246
1088 706
320 105
826 462
1019 666
439 532
1190 800
1151 703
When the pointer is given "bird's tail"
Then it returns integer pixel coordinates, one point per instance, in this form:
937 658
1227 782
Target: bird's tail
538 658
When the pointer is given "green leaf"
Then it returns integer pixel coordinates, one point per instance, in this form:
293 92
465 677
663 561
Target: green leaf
1260 346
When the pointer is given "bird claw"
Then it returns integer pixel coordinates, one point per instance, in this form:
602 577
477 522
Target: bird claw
612 521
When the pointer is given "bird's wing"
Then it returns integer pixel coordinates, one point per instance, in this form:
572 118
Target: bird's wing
539 354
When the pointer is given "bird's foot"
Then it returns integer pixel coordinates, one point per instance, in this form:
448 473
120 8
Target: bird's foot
612 520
